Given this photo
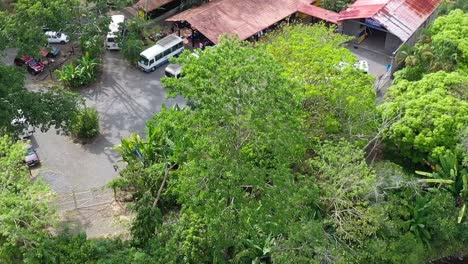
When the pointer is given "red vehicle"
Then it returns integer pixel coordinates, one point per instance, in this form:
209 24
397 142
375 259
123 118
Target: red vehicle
33 65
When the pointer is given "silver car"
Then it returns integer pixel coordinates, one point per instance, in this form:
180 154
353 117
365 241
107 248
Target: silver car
31 158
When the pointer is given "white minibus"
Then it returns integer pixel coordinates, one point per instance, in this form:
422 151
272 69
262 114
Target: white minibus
114 31
160 53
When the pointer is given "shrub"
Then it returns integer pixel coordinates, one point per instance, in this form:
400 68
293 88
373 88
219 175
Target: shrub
131 41
85 123
80 73
131 48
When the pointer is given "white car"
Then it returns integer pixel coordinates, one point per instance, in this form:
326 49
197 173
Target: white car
360 65
57 37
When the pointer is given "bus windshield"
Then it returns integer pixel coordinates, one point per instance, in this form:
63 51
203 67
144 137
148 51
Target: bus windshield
143 60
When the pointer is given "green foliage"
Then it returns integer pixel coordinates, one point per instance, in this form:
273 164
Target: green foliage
449 5
131 49
229 156
240 175
90 28
415 134
83 73
23 26
131 43
25 205
335 5
346 183
339 100
85 123
76 249
449 36
53 108
443 48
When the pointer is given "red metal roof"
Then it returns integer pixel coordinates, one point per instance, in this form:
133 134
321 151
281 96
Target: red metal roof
243 18
319 12
400 17
150 5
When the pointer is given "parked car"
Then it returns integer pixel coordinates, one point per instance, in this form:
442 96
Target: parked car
54 37
173 70
34 66
31 158
362 65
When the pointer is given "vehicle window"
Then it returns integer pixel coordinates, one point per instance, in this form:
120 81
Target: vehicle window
143 60
168 74
58 35
151 62
33 63
158 57
30 151
110 39
167 52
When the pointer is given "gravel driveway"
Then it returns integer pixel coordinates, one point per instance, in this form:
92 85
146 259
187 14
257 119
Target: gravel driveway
125 98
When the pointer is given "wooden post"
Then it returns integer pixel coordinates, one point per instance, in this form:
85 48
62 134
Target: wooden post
193 38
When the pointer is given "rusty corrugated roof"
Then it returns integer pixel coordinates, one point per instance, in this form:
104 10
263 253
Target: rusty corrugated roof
319 12
150 5
243 18
400 17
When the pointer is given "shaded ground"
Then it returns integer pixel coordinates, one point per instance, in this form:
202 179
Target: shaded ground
105 220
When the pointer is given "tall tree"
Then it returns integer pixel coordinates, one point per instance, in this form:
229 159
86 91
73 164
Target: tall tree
443 47
428 116
339 99
25 205
44 109
227 158
24 25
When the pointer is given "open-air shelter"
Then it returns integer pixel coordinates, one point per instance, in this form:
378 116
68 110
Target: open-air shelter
243 18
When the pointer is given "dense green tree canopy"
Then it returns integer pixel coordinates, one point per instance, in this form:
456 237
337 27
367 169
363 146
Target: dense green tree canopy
443 47
339 99
23 27
450 36
427 114
233 152
44 109
264 163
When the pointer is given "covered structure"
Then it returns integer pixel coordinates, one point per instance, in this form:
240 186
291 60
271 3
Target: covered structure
390 22
145 7
244 18
320 13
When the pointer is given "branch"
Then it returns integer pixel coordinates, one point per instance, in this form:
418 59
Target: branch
166 175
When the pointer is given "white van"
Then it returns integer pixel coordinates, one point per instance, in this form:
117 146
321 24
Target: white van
114 31
173 70
160 53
